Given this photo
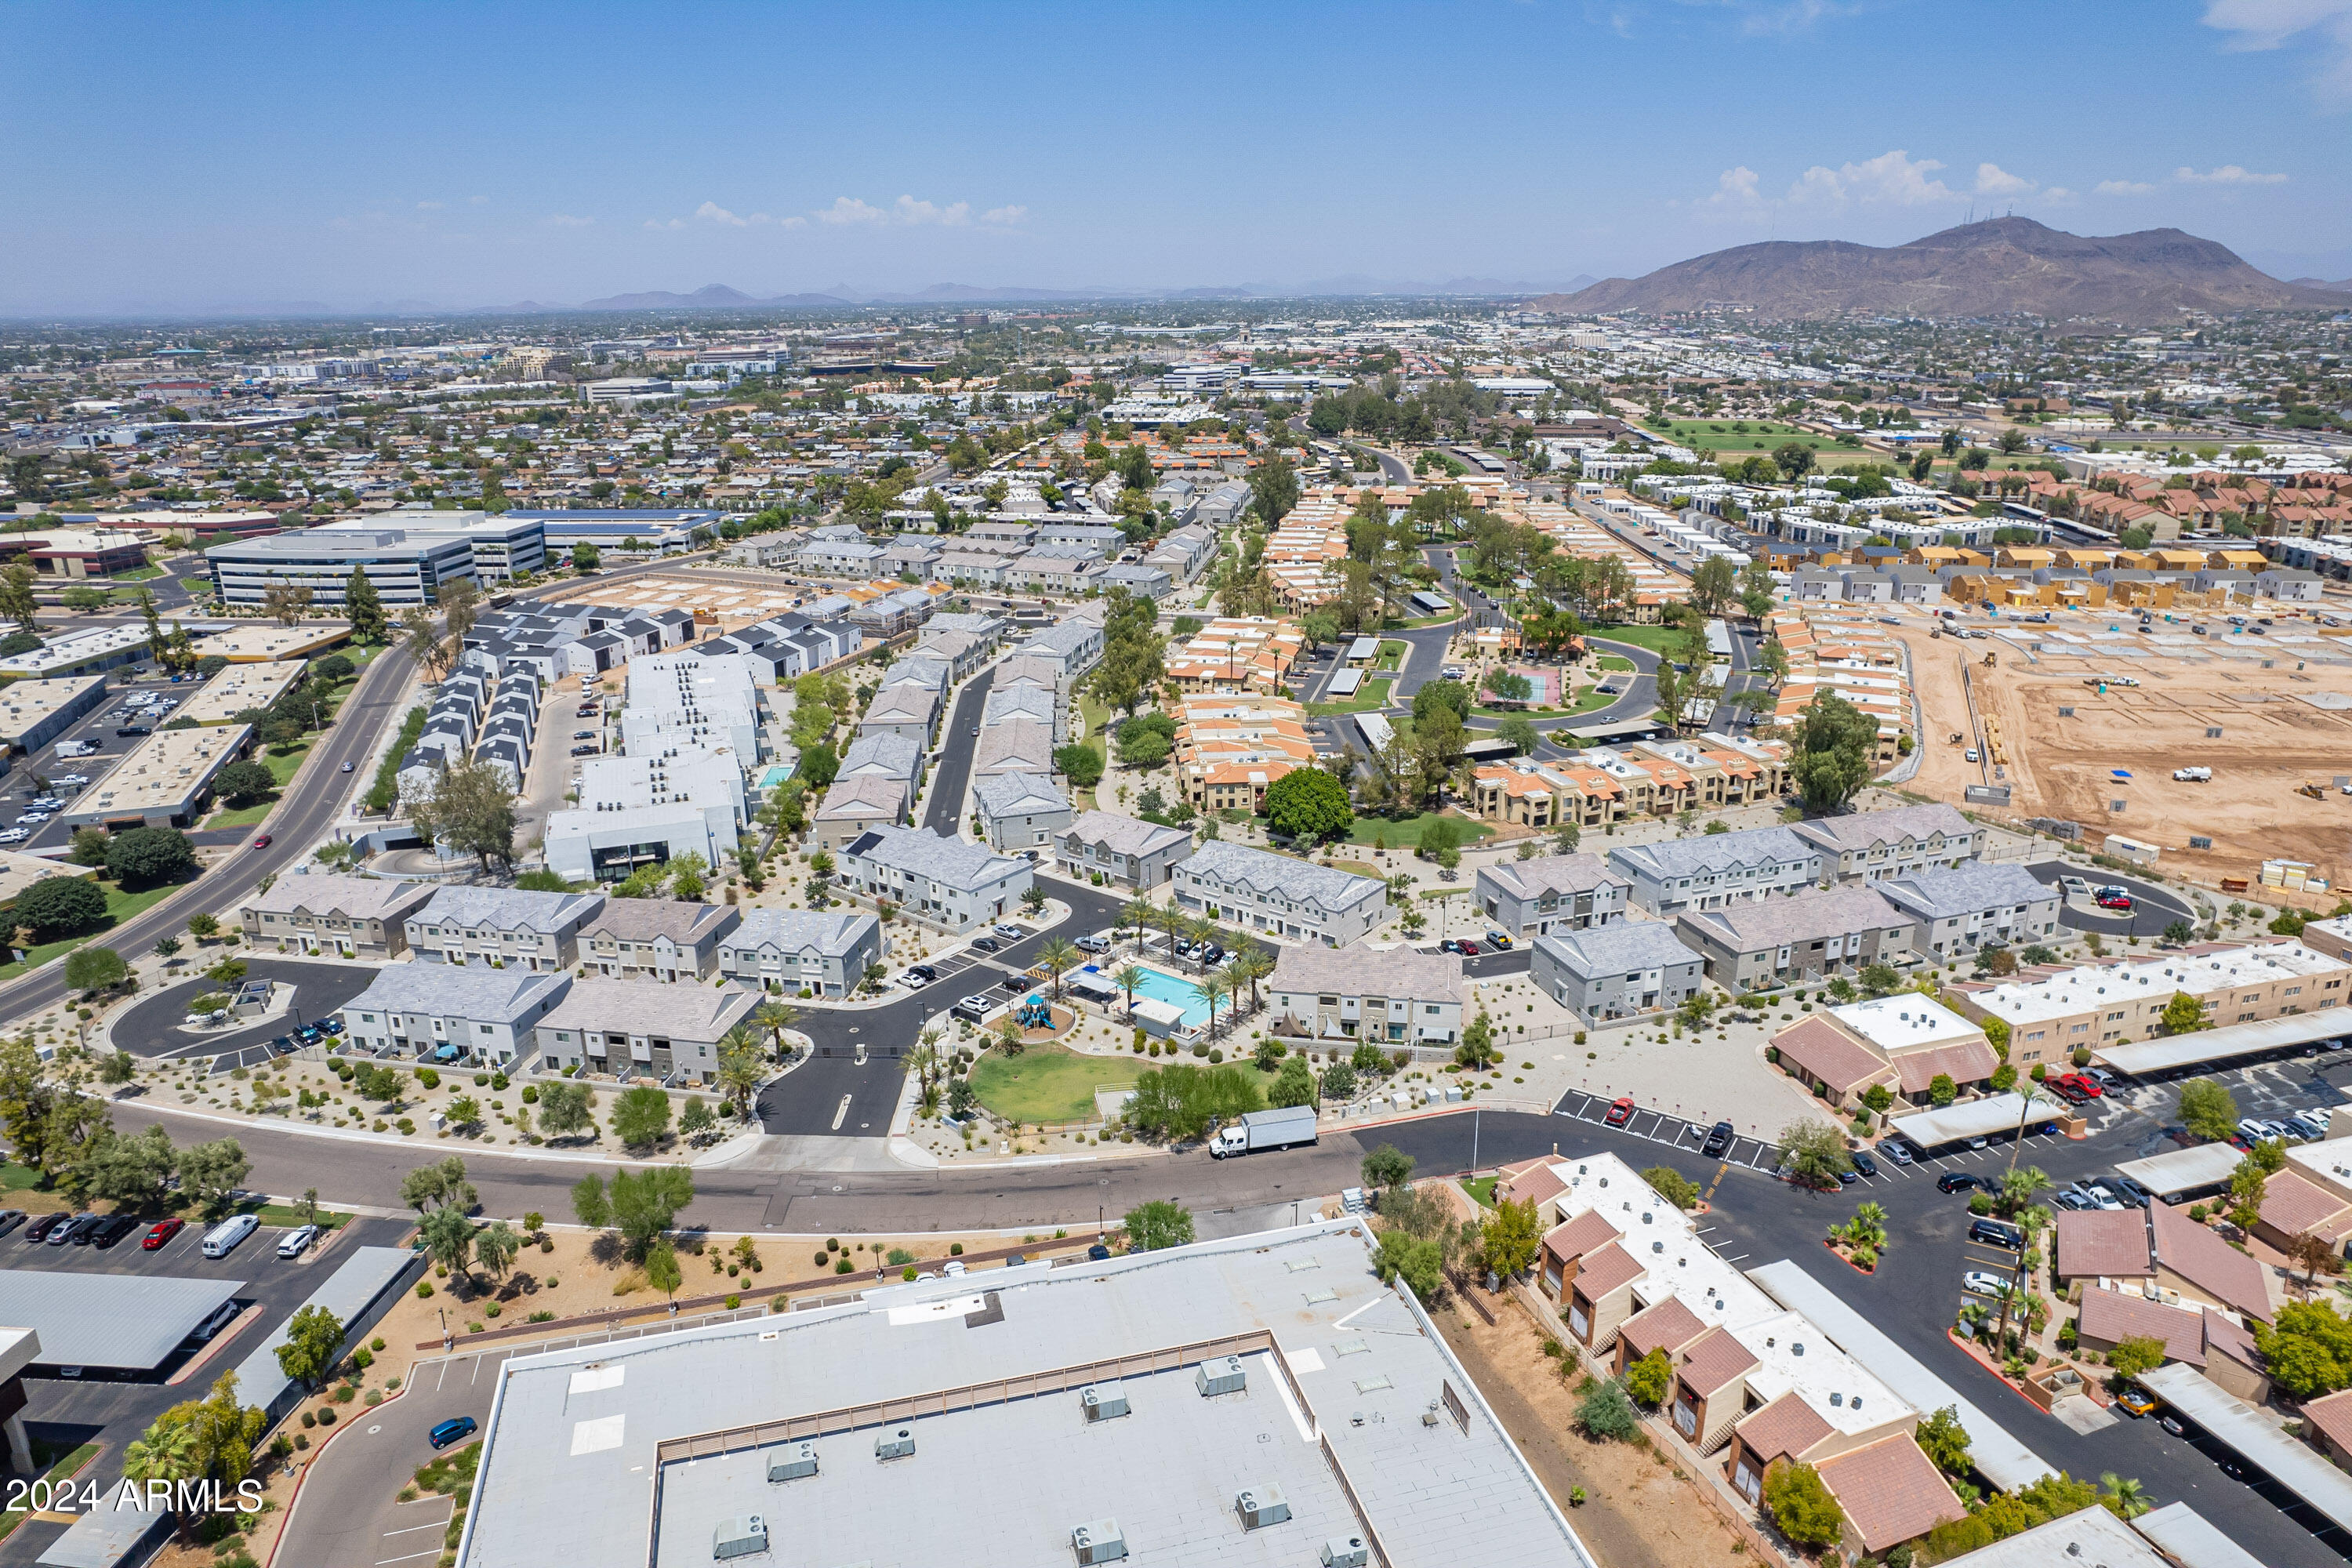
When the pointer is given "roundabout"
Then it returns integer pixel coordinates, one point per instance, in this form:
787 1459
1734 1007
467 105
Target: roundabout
151 1027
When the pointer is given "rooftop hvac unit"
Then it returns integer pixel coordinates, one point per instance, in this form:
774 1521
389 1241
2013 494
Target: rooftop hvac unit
1098 1542
793 1461
1262 1505
738 1537
1100 1404
899 1443
1222 1376
1346 1552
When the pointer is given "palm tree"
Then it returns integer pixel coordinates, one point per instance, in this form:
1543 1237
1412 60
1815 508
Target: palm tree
2129 1496
1212 988
1057 958
1234 973
1253 964
742 1066
1139 913
1203 928
1869 1225
1128 978
1177 921
775 1018
2018 1186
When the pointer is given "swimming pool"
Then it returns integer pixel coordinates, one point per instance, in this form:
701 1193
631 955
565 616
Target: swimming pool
1162 986
774 776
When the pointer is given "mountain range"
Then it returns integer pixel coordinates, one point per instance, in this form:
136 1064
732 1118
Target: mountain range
840 296
2006 266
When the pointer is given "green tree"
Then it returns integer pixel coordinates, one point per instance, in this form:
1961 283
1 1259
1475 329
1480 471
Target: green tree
2207 1108
590 1206
645 1205
1294 1084
1835 744
1606 1413
1816 1152
1521 732
2308 1350
1274 492
88 846
95 969
133 1173
1157 1225
242 784
1944 1440
211 1174
1713 586
2184 1015
1308 803
1801 1503
1419 1261
641 1116
566 1108
1673 1185
146 856
18 601
57 907
1794 458
2136 1355
496 1245
472 808
1650 1379
662 1271
439 1185
1386 1165
585 557
313 1336
363 606
448 1237
1510 1237
1080 763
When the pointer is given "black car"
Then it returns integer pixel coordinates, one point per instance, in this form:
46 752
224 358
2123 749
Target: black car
1863 1163
1718 1140
42 1225
1097 1252
923 971
986 943
584 751
1015 983
111 1230
85 1228
135 730
1955 1182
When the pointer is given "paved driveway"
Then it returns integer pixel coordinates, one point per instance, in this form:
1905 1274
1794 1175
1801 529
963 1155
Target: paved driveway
152 1026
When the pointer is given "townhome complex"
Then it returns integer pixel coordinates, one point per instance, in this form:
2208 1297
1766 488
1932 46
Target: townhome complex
634 1031
352 917
1394 997
803 952
502 927
1616 971
1122 850
1552 892
1281 895
1717 870
941 880
1798 939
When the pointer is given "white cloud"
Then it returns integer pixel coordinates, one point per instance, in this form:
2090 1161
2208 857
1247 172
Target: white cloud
655 223
1004 216
2057 194
719 215
2321 28
849 209
2227 174
2122 188
1760 16
910 212
1735 188
566 220
1893 177
906 209
478 201
1993 180
428 206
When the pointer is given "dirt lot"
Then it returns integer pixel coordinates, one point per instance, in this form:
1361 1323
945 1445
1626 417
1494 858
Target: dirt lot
2277 730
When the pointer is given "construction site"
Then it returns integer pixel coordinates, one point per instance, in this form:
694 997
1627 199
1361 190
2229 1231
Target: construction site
2205 756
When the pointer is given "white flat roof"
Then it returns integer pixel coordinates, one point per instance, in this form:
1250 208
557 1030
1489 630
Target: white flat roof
2294 1465
2006 1462
2183 1169
2157 976
1907 1020
2187 1538
1967 1118
2142 1057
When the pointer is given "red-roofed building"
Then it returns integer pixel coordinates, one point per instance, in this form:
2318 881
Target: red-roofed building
1565 1245
2327 1423
2199 1264
2101 1243
1891 1492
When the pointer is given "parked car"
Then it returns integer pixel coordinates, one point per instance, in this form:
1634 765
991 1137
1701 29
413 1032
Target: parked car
1466 949
974 1007
2133 1195
38 1230
584 751
2060 1088
1498 940
583 734
1957 1182
16 835
2254 1130
2132 1402
986 943
298 1241
923 971
2071 1200
451 1431
1983 1282
1863 1163
223 1239
2115 899
1895 1150
1009 932
1097 943
85 1228
111 1230
1997 1232
1449 945
162 1231
10 1219
1620 1112
1718 1140
2088 1088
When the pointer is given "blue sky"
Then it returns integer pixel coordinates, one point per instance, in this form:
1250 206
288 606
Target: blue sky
193 156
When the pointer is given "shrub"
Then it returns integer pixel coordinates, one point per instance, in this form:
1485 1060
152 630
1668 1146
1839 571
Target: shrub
955 1249
1606 1413
1801 1506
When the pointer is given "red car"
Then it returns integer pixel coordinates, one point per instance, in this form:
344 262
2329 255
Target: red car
1468 949
262 842
2083 1084
1620 1112
161 1232
2115 901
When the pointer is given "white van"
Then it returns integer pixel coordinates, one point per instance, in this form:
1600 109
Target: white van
221 1239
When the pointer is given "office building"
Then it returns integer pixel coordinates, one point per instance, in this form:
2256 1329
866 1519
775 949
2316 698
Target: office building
163 781
35 712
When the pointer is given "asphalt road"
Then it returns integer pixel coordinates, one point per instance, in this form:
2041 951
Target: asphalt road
945 810
151 1027
2153 907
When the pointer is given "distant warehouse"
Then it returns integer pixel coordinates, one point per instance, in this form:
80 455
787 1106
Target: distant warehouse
35 712
164 781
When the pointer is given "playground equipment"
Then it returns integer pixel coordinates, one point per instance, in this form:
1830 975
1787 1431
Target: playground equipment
1033 1014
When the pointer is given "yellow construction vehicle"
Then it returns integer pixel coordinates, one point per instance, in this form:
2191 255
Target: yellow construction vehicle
1991 660
2313 790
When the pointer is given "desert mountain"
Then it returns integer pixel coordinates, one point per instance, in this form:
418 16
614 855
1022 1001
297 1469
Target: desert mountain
2009 266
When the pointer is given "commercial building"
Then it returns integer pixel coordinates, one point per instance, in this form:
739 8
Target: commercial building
666 940
671 798
1963 908
1870 846
1392 997
242 687
633 1030
88 652
503 927
163 781
1280 894
934 878
2052 1009
1717 870
1551 893
407 566
35 712
657 531
483 1016
1797 940
77 554
267 642
1123 850
807 952
325 911
1243 1401
1617 971
1905 1042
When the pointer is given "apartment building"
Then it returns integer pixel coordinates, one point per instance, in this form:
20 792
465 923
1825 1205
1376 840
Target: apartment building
1963 908
934 877
1019 811
502 927
1074 644
1394 997
485 1017
2052 1009
668 1037
1232 746
318 912
656 939
1717 870
1872 846
1279 894
1543 795
1904 1042
805 952
1123 850
1797 940
1237 653
1551 893
1618 971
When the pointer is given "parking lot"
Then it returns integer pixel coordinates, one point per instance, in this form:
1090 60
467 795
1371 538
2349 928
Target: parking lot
1673 1132
56 762
155 1026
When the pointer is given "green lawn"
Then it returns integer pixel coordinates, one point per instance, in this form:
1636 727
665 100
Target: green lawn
1371 695
288 1215
1611 661
1657 640
120 907
1596 697
1404 833
1391 655
1045 1083
283 762
1483 1189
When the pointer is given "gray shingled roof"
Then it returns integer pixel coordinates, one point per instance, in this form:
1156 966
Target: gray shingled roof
1772 922
1711 853
797 930
1622 946
1947 892
1008 795
477 992
1262 872
1863 829
1551 874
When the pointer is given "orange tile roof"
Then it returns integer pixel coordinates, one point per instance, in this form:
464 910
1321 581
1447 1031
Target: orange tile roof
1890 1491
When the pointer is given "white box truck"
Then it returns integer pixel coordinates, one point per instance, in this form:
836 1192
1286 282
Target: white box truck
1259 1130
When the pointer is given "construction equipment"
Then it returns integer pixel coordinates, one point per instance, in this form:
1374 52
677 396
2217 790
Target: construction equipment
1957 737
1991 660
2313 790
